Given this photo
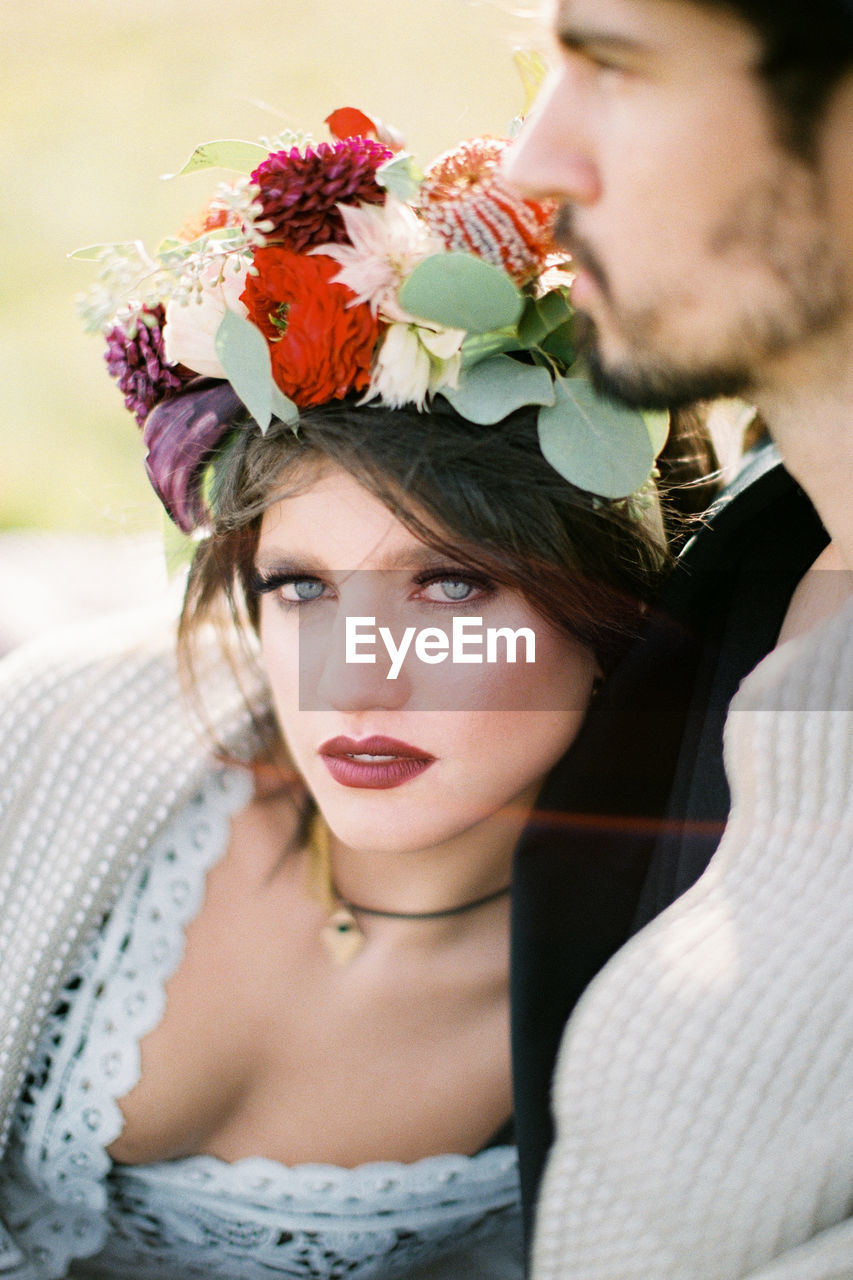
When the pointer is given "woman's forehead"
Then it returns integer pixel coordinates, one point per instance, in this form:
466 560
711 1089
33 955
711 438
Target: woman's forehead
335 518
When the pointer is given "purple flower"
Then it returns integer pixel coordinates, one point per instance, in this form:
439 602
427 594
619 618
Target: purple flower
136 359
181 434
299 191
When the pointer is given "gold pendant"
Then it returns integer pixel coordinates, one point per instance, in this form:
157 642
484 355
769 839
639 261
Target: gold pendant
342 937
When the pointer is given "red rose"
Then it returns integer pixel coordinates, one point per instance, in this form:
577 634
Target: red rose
321 348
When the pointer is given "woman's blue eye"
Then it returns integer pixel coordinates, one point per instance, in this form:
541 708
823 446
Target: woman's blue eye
449 590
456 590
303 589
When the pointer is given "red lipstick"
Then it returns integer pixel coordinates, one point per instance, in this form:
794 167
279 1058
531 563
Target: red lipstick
377 762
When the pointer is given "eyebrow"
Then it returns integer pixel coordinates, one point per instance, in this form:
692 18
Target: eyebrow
578 40
408 557
580 37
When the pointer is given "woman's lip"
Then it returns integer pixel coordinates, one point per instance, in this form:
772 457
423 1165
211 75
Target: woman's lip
375 745
375 775
376 763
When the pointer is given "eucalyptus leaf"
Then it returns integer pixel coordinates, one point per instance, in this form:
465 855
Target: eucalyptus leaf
560 344
595 443
402 176
496 387
657 425
532 327
543 316
480 346
555 308
459 291
224 153
283 408
245 358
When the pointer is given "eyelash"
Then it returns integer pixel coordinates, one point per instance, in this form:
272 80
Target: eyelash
274 583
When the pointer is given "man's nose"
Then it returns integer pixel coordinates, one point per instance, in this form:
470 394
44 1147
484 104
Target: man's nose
552 156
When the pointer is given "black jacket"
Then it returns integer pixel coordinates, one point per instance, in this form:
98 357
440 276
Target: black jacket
630 817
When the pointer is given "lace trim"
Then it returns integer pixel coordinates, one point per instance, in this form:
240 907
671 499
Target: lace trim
89 1057
91 1051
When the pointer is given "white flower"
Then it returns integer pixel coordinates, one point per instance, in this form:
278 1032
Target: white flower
388 242
189 334
414 362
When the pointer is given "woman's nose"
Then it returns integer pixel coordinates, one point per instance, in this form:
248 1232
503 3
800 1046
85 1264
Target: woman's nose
353 668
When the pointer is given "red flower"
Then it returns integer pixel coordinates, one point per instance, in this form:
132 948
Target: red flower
321 347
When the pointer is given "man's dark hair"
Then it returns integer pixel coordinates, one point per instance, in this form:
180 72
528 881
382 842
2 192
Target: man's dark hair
808 48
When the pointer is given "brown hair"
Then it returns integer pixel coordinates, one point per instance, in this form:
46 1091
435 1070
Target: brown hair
485 494
807 51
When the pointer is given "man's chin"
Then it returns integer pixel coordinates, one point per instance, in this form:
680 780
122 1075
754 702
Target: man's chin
655 385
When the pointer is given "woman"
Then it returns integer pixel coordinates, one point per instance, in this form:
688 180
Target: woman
257 975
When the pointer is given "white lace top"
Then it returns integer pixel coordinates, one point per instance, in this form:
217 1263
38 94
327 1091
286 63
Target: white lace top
72 1212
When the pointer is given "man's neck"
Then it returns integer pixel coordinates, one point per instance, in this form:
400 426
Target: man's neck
809 409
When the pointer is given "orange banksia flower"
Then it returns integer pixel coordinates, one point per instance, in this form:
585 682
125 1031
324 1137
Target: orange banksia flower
467 203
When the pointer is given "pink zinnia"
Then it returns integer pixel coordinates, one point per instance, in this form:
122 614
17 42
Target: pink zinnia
299 191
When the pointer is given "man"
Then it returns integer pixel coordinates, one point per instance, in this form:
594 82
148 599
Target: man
702 158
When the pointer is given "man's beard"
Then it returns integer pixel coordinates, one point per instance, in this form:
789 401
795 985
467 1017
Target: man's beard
656 384
777 226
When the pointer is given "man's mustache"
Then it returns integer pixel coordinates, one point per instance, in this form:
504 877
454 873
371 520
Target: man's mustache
582 255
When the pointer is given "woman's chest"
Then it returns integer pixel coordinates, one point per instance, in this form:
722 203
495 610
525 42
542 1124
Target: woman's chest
266 1048
200 1215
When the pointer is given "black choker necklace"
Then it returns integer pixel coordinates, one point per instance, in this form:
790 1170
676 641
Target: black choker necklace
424 915
344 939
341 934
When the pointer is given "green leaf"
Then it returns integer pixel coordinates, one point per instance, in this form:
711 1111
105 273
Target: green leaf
480 346
561 344
657 425
460 291
245 358
94 252
532 68
597 444
402 176
178 548
283 408
224 153
496 387
543 315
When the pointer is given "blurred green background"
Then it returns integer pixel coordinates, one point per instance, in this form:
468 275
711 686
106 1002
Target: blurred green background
100 97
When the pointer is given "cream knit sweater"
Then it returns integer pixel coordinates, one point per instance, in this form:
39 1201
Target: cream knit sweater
97 749
704 1090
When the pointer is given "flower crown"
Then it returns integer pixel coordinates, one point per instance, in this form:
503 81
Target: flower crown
340 268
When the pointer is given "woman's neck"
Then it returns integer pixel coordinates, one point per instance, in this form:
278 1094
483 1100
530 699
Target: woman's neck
470 866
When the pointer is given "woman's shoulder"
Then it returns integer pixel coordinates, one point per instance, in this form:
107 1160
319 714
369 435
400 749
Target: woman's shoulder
66 661
102 708
122 670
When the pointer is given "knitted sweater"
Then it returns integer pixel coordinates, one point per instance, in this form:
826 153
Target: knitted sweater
97 748
704 1091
